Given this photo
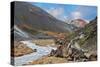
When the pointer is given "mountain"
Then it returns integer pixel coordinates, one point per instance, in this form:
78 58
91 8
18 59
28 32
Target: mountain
30 16
90 40
79 23
31 20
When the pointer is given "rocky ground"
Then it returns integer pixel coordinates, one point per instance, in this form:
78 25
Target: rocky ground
49 60
75 56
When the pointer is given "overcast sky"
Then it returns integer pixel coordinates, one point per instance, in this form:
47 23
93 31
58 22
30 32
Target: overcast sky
66 11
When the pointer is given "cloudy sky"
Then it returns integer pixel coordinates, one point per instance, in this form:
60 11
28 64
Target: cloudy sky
65 12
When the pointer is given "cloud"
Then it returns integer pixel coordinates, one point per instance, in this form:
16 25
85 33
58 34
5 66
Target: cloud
56 12
76 15
84 12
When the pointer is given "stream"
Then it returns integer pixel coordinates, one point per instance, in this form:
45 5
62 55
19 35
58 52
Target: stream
41 51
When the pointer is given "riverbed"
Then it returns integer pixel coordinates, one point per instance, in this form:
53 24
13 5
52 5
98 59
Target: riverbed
41 51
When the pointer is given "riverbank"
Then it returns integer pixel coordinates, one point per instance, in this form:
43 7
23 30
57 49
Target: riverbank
20 49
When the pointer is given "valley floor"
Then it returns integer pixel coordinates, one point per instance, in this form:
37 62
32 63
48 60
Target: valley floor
49 60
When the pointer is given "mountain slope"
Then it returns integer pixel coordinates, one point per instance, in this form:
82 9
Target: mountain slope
83 44
34 18
89 42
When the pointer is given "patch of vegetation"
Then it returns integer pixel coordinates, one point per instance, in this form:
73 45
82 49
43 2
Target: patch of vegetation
32 31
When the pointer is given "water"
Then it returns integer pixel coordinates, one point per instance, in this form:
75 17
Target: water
41 51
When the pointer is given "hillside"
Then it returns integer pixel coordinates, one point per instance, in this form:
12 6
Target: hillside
30 17
82 46
32 20
90 40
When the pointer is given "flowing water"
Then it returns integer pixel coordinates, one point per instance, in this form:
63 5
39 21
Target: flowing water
41 51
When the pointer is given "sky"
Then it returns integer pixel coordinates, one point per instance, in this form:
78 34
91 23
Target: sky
66 12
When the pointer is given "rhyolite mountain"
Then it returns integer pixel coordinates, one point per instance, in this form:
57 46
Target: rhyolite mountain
79 23
32 19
